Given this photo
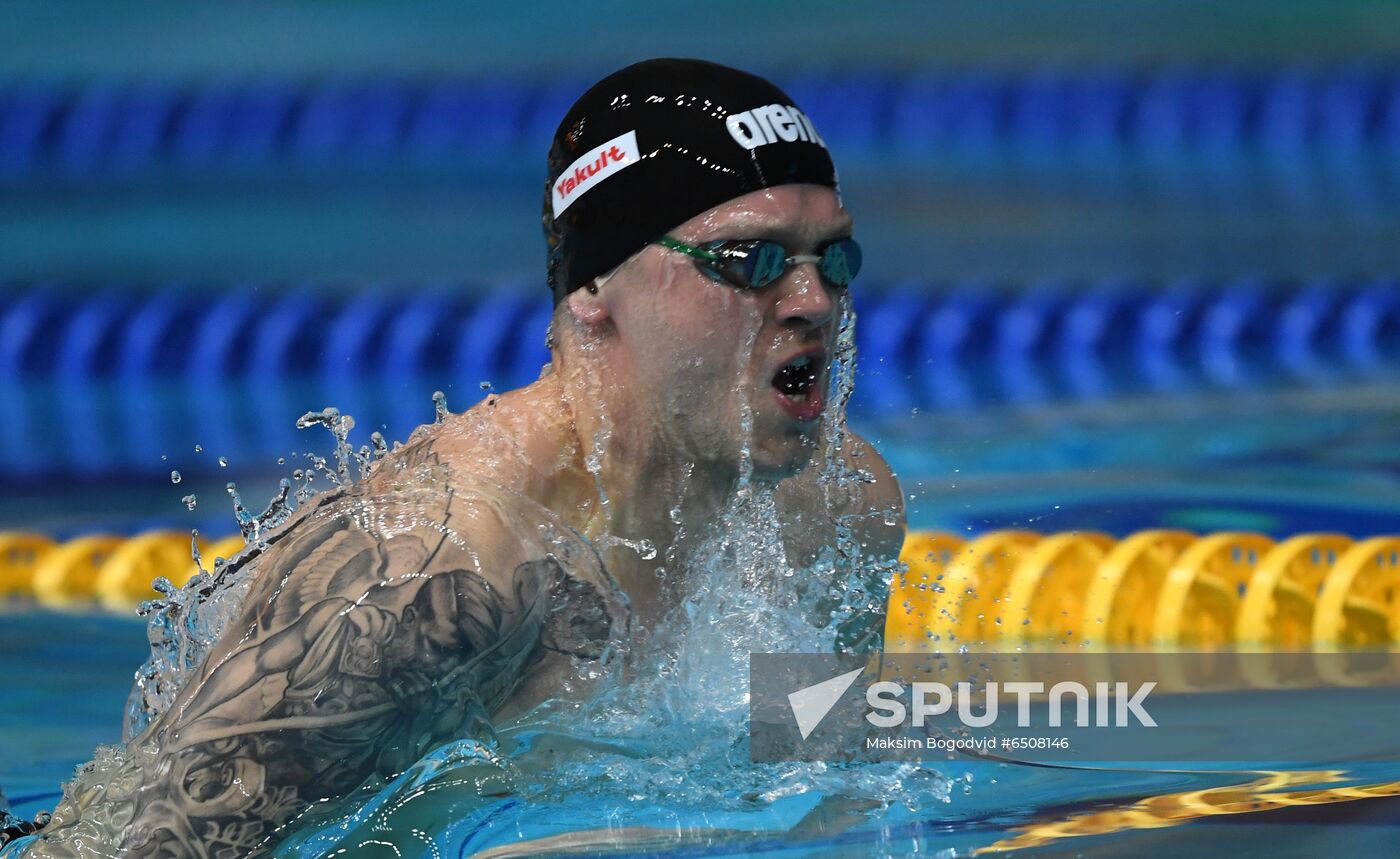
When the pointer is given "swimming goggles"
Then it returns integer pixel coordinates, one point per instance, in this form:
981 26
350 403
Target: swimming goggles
755 263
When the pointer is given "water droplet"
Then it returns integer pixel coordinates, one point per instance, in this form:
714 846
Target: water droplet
199 448
440 407
190 501
174 477
246 523
340 426
223 462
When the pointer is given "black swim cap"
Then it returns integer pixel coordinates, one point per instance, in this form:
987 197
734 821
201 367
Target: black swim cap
657 143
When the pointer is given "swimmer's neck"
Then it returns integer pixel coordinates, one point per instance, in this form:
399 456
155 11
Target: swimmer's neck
644 488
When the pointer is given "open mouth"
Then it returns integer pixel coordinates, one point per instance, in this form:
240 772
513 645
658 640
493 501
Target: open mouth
796 387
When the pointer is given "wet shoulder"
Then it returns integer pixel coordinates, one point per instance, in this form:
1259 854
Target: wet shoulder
517 440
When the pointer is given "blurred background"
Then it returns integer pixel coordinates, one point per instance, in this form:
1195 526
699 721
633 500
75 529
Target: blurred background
1128 264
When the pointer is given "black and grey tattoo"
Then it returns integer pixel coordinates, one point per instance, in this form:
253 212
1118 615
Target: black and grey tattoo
380 626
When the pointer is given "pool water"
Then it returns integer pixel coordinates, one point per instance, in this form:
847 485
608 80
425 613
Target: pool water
1279 463
67 677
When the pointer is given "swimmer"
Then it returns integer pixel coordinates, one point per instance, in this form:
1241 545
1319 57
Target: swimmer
699 255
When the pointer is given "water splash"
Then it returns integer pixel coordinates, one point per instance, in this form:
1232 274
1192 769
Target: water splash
197 555
183 623
645 549
669 733
371 453
304 478
677 721
746 405
673 724
667 736
340 427
593 463
860 587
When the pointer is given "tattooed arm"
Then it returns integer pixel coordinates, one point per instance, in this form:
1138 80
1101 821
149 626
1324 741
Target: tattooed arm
378 628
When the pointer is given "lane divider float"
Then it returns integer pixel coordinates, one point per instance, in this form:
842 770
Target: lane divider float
99 571
924 345
1159 589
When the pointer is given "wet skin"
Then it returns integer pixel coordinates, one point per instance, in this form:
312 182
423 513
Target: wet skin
451 587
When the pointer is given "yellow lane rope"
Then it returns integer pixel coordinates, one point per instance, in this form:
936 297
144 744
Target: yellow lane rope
1159 589
1156 589
99 570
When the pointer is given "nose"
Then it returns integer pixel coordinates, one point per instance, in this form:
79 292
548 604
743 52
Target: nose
803 300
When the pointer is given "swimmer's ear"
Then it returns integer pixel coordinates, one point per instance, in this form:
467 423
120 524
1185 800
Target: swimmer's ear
588 306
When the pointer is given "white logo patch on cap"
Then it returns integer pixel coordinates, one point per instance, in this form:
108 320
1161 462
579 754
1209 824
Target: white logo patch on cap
771 123
593 167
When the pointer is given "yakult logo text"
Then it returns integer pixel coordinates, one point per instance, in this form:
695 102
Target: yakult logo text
593 167
770 124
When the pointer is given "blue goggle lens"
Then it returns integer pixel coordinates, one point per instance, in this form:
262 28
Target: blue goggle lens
765 263
755 264
840 263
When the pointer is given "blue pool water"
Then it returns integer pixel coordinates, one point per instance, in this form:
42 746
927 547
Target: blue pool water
1123 271
1278 463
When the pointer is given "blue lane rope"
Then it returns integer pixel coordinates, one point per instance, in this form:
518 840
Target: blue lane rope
123 370
1197 123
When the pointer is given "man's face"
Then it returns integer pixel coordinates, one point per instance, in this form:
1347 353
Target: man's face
719 367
